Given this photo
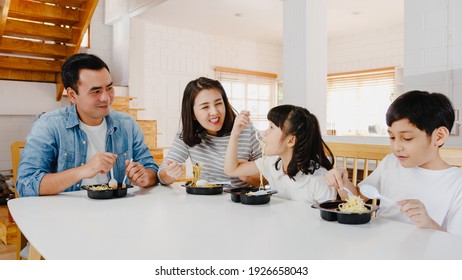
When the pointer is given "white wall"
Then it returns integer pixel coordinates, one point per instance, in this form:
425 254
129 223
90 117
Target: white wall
164 59
375 49
433 50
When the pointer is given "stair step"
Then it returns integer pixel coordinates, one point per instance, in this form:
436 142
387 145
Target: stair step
23 75
65 3
31 48
36 11
31 64
35 30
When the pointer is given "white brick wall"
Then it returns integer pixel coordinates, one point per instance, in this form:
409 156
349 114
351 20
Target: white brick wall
433 50
166 58
377 49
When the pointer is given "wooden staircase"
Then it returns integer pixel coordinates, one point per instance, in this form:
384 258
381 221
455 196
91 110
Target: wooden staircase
36 36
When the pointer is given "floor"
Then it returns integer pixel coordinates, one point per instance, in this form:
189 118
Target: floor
7 252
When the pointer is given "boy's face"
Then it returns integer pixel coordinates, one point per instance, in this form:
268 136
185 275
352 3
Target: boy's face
412 146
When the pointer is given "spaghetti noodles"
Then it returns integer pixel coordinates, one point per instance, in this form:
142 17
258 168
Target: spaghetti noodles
354 204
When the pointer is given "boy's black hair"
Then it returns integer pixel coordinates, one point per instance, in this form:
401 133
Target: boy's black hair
427 111
71 68
309 149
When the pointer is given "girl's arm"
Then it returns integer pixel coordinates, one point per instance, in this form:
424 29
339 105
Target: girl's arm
233 167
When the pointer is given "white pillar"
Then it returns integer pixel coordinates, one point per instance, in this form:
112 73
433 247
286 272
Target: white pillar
305 56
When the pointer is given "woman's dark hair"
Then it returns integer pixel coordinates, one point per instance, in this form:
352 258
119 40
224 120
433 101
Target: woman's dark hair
309 150
71 68
427 111
193 132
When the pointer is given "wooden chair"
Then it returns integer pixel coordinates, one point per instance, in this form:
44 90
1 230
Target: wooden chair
452 156
358 158
23 249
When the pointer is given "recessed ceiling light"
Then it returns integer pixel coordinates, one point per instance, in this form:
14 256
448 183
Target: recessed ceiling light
238 14
355 13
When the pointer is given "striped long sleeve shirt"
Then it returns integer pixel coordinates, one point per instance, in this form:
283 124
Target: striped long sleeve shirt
211 154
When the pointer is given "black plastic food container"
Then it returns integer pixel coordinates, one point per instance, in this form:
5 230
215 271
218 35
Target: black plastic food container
237 192
203 191
106 194
329 211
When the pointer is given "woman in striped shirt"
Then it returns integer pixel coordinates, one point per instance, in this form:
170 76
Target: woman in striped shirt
207 119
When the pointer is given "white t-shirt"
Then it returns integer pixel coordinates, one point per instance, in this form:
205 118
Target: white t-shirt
306 187
96 142
439 190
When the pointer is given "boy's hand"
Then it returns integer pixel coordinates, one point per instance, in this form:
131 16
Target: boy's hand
416 211
337 177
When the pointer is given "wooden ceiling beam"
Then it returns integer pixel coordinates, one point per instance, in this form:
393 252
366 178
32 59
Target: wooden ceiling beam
35 30
30 48
36 11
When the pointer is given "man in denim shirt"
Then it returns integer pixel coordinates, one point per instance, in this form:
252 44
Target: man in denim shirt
79 144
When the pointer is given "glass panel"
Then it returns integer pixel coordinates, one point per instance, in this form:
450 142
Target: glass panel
252 107
264 92
263 108
227 87
238 91
238 104
252 91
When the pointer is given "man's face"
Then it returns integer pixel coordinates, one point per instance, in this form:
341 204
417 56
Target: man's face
95 95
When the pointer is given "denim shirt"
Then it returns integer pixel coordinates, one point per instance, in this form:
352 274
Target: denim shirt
57 143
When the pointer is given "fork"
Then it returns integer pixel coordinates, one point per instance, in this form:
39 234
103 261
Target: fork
125 177
112 182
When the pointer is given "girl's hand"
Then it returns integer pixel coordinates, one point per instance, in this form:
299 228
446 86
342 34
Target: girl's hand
174 169
416 211
241 121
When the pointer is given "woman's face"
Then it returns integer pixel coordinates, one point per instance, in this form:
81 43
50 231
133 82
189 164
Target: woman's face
209 110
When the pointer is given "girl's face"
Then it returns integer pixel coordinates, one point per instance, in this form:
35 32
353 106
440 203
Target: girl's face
209 110
275 140
412 146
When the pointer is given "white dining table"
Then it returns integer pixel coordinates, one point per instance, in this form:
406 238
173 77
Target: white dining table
166 223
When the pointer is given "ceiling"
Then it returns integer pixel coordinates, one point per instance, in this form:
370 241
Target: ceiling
262 20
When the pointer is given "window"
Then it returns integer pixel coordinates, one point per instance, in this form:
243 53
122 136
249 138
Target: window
249 90
358 101
86 39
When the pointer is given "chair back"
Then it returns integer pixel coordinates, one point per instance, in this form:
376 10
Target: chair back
452 156
16 149
359 159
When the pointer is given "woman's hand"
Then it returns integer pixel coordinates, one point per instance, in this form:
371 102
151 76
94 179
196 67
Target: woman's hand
241 121
174 169
416 211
